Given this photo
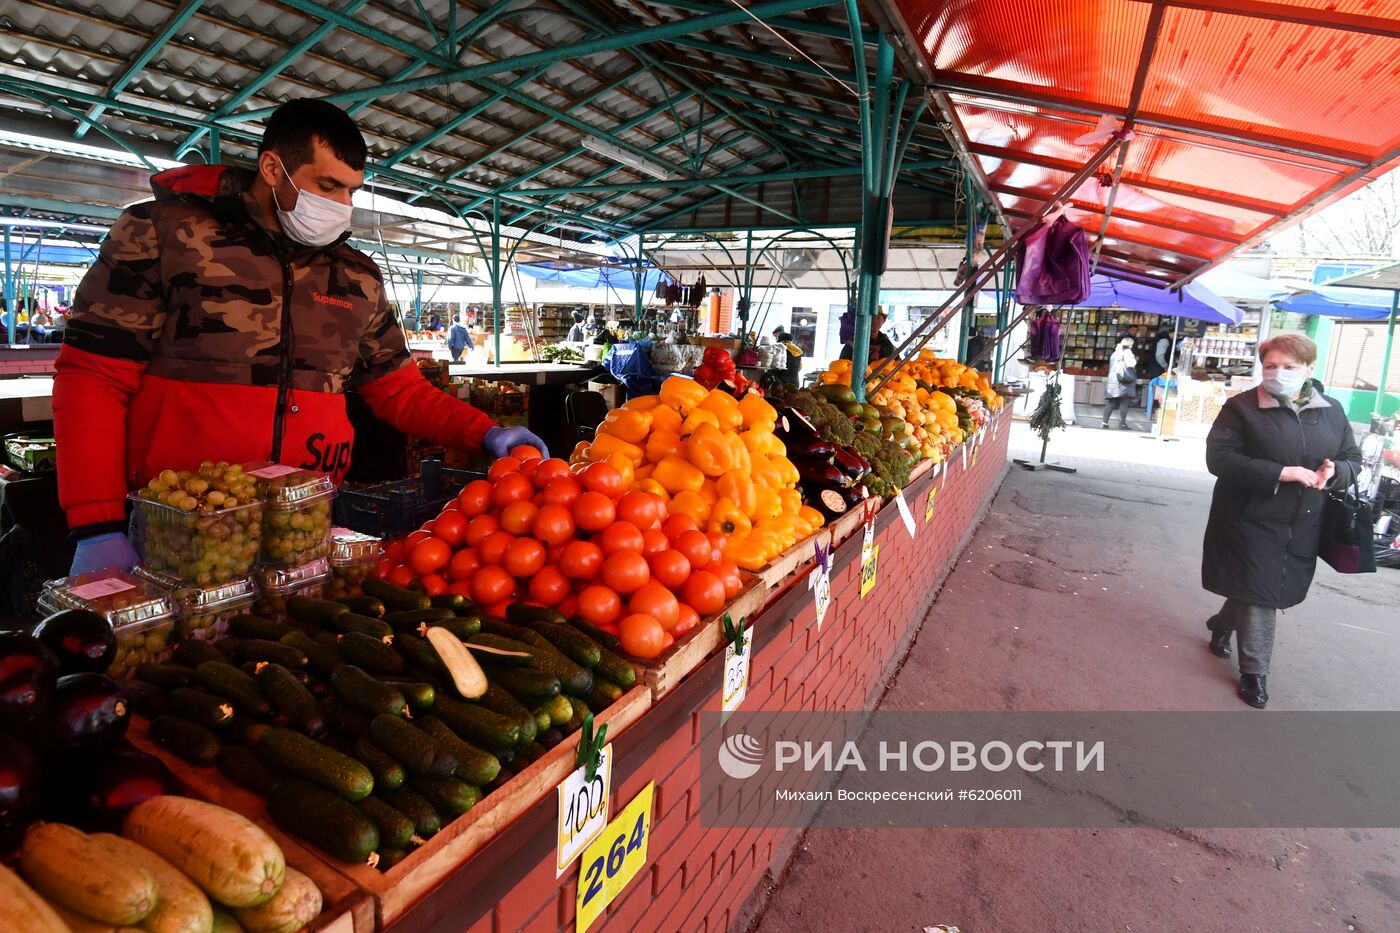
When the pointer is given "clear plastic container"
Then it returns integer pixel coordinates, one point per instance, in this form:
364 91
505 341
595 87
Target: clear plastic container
142 614
353 559
204 545
296 526
203 612
278 584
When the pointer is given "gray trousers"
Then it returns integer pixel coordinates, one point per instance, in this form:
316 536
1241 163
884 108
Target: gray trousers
1254 633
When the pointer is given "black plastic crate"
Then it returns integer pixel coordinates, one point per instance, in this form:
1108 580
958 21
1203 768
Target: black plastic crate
390 510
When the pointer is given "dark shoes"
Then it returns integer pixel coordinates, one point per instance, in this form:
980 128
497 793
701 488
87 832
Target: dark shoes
1219 638
1252 690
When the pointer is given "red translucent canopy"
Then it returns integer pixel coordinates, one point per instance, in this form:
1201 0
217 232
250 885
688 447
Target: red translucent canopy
1247 115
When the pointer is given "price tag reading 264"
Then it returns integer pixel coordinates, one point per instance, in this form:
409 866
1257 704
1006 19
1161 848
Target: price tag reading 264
614 859
583 810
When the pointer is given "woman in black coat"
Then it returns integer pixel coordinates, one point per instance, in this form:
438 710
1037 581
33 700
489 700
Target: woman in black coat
1274 450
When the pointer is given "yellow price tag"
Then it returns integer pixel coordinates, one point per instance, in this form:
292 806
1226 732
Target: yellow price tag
867 571
614 859
928 506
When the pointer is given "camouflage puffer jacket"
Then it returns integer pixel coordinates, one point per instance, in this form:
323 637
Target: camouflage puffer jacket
199 334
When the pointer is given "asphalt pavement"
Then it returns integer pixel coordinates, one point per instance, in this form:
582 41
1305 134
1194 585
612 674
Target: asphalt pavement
1082 592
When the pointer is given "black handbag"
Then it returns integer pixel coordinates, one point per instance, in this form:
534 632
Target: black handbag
1348 532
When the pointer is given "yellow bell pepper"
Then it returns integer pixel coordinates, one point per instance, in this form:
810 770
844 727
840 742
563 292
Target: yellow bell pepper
649 484
709 491
764 474
662 444
738 452
786 471
755 409
642 403
666 418
774 447
691 504
698 417
643 472
767 505
725 407
626 424
728 519
580 452
755 442
604 446
676 476
814 518
624 465
708 450
737 486
747 554
791 500
684 393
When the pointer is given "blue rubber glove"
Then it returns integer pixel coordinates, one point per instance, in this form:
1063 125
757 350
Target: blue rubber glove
100 552
499 441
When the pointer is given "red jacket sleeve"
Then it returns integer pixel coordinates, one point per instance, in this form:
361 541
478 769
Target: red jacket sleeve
91 395
410 403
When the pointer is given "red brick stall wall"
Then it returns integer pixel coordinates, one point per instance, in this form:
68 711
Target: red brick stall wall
697 879
28 361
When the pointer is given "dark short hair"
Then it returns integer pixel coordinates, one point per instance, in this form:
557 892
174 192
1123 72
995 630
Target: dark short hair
294 127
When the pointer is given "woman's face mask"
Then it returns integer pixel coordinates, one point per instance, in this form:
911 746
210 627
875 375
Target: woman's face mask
316 220
1284 376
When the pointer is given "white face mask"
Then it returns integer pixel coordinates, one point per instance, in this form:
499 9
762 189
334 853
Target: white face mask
1286 383
316 220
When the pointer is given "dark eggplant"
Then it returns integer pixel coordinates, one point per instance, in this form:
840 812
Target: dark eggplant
821 473
19 782
851 463
28 674
89 711
121 781
81 640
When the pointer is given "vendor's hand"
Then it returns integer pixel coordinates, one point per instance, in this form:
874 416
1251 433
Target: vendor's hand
101 552
1296 474
1325 474
500 441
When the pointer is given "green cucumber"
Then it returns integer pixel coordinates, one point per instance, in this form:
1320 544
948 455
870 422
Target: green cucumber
408 620
542 720
242 766
146 699
348 622
492 626
604 694
165 676
606 639
194 653
476 724
323 819
419 653
575 645
420 695
616 669
320 659
395 598
370 653
189 740
474 765
209 711
449 796
395 829
343 719
426 820
295 754
292 700
454 601
366 694
581 711
520 653
243 650
574 679
364 605
460 626
525 614
534 752
388 858
561 710
315 611
225 680
388 773
417 750
498 700
251 626
525 683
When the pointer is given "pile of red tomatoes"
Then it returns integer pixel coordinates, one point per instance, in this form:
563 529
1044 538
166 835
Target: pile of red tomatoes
541 532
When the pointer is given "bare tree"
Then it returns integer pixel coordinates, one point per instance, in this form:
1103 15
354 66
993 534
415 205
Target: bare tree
1365 223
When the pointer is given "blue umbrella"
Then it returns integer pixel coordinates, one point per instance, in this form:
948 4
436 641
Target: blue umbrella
1193 301
1335 301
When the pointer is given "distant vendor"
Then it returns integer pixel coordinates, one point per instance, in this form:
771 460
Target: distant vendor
881 347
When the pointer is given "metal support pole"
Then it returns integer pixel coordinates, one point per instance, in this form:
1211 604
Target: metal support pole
1384 382
215 147
639 277
496 273
418 299
969 243
12 314
746 293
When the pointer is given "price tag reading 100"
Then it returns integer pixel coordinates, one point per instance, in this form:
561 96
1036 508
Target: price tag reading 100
614 859
583 810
